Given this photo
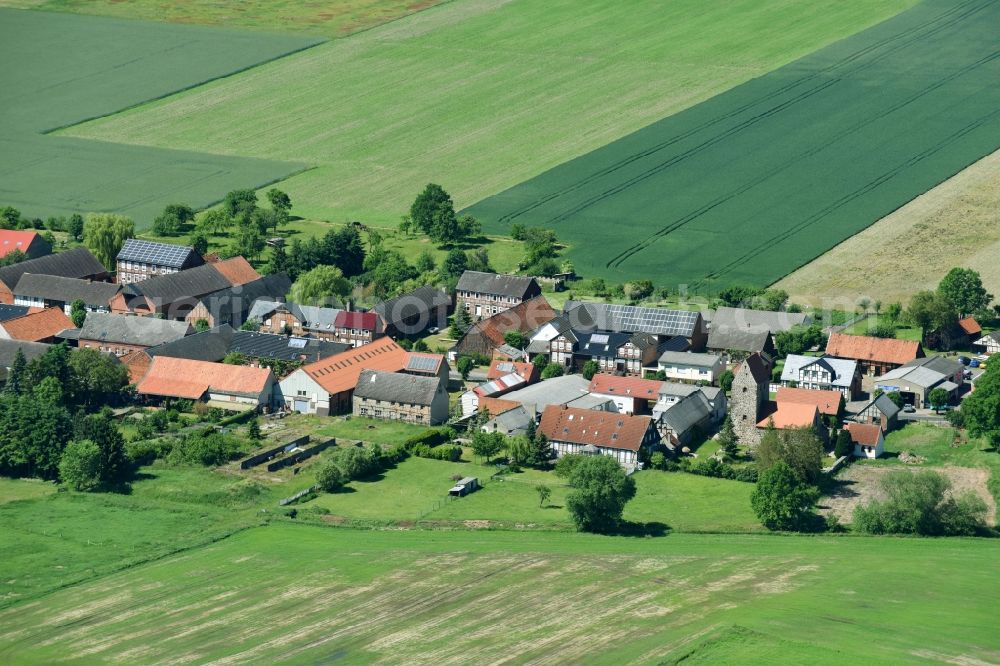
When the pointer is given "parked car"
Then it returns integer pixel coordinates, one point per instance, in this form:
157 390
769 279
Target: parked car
964 360
967 374
974 363
909 409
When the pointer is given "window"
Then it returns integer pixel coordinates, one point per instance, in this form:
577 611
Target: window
744 389
300 393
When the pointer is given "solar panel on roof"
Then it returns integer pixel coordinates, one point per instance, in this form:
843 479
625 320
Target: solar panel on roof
160 254
422 363
599 338
297 343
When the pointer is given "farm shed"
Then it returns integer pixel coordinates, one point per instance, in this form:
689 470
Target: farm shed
469 484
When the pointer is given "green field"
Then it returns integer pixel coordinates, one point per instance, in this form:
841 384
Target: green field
478 95
60 69
753 183
327 18
306 594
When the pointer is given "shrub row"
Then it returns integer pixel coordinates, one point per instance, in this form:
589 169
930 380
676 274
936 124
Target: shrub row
429 438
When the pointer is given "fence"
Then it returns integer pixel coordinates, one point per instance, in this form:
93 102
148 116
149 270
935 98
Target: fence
297 496
296 458
255 460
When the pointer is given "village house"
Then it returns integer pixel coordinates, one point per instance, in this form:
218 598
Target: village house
9 349
120 335
29 243
14 311
396 396
750 391
76 263
232 305
259 348
53 291
488 334
501 377
325 387
295 319
737 343
36 326
513 422
140 260
569 390
622 353
675 330
915 380
829 374
631 395
628 439
875 356
414 312
881 411
357 328
868 440
484 295
829 403
230 387
426 364
971 331
989 343
672 392
791 415
691 367
685 421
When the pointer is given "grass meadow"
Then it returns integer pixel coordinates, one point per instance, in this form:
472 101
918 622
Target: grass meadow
479 95
299 593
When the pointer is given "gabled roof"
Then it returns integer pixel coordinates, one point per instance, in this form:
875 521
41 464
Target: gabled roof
191 283
759 321
690 358
631 318
942 364
340 372
827 402
185 378
38 326
65 289
159 254
122 329
8 350
738 339
423 363
13 311
606 430
514 421
13 239
233 301
865 434
791 415
366 321
524 317
513 286
211 345
842 370
687 412
970 326
314 318
882 403
866 348
397 387
758 368
500 385
600 343
420 300
283 347
236 270
677 389
76 263
556 391
502 368
630 387
916 375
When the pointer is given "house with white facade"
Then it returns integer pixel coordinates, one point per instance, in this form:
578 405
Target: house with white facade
631 395
691 367
825 373
624 437
869 442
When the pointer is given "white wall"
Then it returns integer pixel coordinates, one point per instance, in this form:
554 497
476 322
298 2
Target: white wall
299 381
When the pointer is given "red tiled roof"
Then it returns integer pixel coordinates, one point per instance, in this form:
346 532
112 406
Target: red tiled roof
500 368
38 326
366 321
11 240
237 270
632 387
523 317
497 406
866 348
865 434
607 430
340 372
413 363
970 326
137 361
827 402
791 415
185 378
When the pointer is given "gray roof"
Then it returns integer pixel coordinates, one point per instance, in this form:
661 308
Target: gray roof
737 339
883 403
918 376
159 254
397 387
758 320
555 391
942 364
314 317
190 283
412 304
65 289
843 370
678 389
512 422
631 318
145 331
511 352
687 413
234 301
8 350
12 311
283 347
516 286
600 343
76 263
690 358
211 345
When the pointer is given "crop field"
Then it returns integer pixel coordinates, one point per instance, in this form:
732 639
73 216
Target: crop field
749 185
478 95
60 69
308 594
328 18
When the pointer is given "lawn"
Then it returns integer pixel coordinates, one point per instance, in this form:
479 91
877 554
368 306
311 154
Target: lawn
479 95
62 69
12 490
864 326
325 18
309 594
368 430
753 183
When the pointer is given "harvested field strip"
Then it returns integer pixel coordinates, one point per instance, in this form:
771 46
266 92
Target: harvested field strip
308 594
751 184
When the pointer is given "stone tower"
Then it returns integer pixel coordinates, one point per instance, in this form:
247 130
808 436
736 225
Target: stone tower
749 395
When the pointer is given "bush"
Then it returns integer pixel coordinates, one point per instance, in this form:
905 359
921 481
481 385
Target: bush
329 477
80 465
552 370
781 500
844 445
431 438
566 464
210 449
720 470
146 451
356 463
918 503
447 452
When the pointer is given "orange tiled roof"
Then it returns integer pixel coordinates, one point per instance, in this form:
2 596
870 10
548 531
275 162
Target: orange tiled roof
524 317
791 415
607 430
11 240
500 368
497 406
185 378
340 372
38 326
866 348
237 270
827 402
865 434
970 326
137 361
632 387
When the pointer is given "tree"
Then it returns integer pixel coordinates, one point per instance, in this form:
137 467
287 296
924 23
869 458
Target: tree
16 375
844 445
552 370
249 241
329 477
893 311
454 264
590 368
235 358
425 261
321 284
728 441
342 248
239 205
919 503
781 500
10 217
771 299
433 213
738 295
172 220
464 366
932 312
544 493
253 431
799 448
391 274
600 490
80 465
487 444
201 325
896 397
638 289
982 407
726 381
78 312
101 429
75 226
96 379
15 256
461 323
279 261
215 221
280 202
887 331
964 291
515 339
105 233
938 398
199 241
479 260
